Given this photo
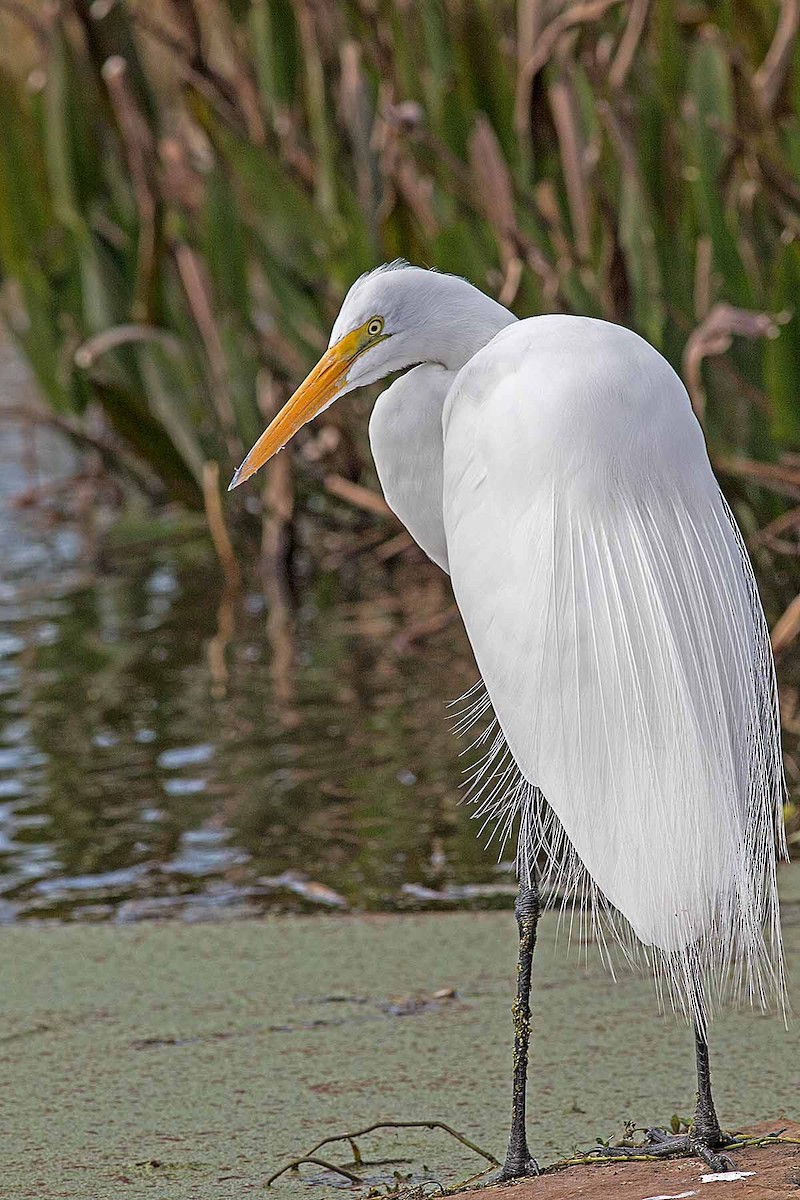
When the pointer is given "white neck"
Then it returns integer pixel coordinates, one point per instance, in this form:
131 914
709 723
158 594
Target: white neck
462 320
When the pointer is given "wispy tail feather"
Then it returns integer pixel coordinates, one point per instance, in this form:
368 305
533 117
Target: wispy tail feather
687 662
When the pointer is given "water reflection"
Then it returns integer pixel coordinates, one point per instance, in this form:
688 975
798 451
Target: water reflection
166 743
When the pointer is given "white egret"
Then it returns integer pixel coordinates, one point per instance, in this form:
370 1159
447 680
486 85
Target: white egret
555 468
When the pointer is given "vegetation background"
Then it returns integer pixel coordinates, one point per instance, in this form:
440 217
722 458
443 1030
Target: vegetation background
188 187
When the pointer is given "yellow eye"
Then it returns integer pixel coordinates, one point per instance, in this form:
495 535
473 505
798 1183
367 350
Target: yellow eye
375 326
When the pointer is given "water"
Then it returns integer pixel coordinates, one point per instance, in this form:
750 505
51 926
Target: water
165 748
168 749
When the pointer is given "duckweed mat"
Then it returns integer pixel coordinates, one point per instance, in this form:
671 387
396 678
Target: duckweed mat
175 1060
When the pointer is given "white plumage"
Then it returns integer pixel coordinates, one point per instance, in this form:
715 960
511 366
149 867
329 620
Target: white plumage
615 620
555 467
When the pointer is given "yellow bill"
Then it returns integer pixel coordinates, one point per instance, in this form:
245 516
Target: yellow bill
315 393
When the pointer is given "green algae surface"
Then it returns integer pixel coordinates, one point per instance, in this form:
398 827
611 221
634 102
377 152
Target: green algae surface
174 1060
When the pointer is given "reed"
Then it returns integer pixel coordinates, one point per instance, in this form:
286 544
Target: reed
187 188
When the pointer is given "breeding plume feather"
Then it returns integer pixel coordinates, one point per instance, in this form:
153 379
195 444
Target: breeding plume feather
555 468
634 685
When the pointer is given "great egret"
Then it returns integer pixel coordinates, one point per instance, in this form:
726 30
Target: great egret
554 467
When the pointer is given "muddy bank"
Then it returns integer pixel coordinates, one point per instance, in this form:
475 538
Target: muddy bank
766 1173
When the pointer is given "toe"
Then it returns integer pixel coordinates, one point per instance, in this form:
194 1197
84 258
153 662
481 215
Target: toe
717 1162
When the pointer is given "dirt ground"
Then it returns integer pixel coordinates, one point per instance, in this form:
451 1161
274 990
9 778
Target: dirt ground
775 1176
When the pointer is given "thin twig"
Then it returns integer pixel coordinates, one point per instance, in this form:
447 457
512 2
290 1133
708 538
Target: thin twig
768 79
495 191
354 545
563 107
241 80
471 198
394 545
358 496
747 390
529 26
316 106
786 628
470 1180
714 336
320 1162
278 511
465 1141
629 42
212 86
40 28
277 542
196 288
773 534
138 146
493 183
350 1137
593 1159
529 20
354 106
187 19
577 14
702 276
123 335
769 1139
784 481
425 628
217 527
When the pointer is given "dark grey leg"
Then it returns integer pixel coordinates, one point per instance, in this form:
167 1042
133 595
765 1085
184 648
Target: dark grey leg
518 1159
705 1125
705 1134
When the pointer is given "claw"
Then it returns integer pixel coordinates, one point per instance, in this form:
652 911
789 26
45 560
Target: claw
725 1161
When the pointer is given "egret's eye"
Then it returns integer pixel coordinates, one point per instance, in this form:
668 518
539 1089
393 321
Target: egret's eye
375 326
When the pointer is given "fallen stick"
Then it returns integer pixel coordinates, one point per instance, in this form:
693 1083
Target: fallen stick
310 1156
320 1162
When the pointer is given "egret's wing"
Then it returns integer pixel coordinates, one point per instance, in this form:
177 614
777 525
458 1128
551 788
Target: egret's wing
615 620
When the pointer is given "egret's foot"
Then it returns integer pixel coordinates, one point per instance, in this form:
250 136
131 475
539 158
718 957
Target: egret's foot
713 1155
661 1144
517 1168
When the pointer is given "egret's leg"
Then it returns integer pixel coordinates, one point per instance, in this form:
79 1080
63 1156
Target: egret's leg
706 1136
705 1126
519 1161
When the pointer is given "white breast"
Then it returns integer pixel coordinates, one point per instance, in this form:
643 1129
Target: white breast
405 433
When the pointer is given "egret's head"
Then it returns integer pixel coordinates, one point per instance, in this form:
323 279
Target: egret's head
391 319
